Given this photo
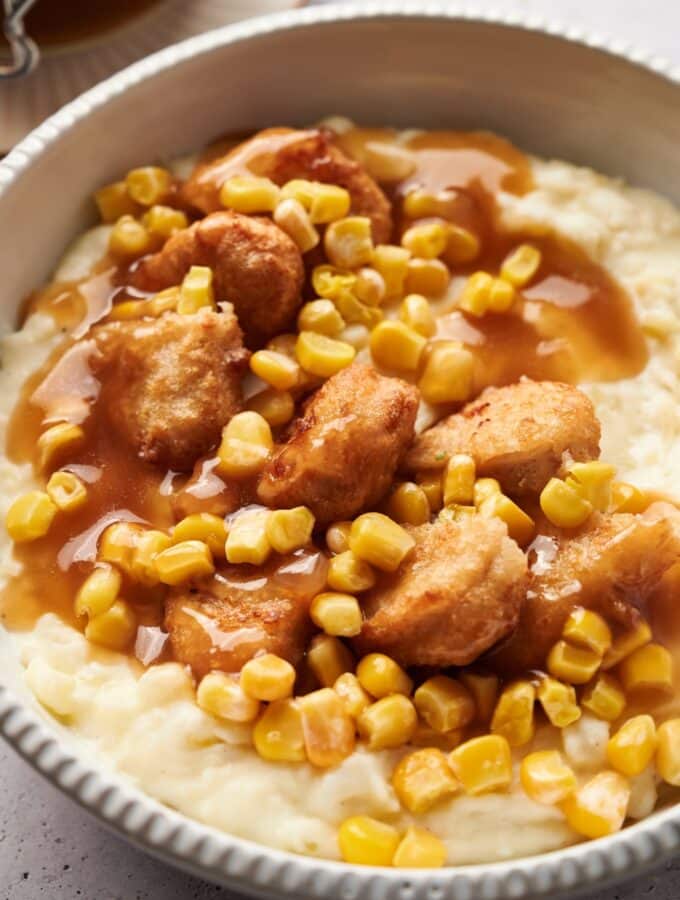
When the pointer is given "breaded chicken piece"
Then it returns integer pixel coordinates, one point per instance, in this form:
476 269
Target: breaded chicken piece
172 383
257 268
517 434
611 567
343 451
457 594
226 620
283 154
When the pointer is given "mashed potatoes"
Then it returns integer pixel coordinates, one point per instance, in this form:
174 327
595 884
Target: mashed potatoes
147 725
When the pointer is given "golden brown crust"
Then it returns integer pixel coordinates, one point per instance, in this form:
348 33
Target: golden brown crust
343 451
172 383
308 154
457 594
517 434
257 268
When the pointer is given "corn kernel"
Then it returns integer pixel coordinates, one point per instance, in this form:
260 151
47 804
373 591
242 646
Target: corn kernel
320 316
593 481
246 444
484 691
204 527
483 764
321 355
458 480
447 375
388 162
329 203
429 277
462 246
329 658
276 407
546 778
576 665
520 526
626 498
327 727
369 286
632 748
337 537
247 540
364 841
427 240
422 779
424 736
356 335
604 698
148 185
348 242
456 512
196 291
129 239
395 345
289 529
184 561
392 263
389 722
114 201
379 541
118 544
130 309
563 505
354 312
142 566
267 677
30 516
416 313
521 265
501 296
291 217
330 282
626 643
485 488
277 369
380 676
431 484
586 628
57 441
114 628
599 807
222 696
299 189
474 298
444 703
513 717
249 194
162 301
66 491
277 734
164 221
648 668
668 751
408 504
558 701
98 592
419 849
421 204
336 614
350 691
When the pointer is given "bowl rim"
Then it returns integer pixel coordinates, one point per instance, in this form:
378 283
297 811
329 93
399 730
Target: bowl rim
203 850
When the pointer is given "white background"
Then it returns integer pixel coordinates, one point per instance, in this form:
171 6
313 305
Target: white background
51 849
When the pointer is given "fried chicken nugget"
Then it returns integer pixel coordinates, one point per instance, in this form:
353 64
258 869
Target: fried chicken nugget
172 383
457 594
256 266
283 154
517 434
343 451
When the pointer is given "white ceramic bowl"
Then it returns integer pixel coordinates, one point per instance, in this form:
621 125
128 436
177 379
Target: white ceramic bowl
552 92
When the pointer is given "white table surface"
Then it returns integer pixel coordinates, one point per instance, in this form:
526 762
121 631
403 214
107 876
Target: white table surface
50 848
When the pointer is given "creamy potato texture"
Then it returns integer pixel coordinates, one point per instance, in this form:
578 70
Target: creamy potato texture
147 724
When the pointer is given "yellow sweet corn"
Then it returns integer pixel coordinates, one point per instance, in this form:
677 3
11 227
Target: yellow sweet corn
388 162
444 703
348 242
148 185
458 480
328 658
626 643
114 628
118 544
429 277
485 488
321 355
299 189
58 441
350 691
462 246
593 481
387 723
546 778
114 201
196 291
632 748
586 628
336 614
483 688
431 485
626 498
98 592
222 696
364 841
419 849
337 537
277 734
521 527
247 540
66 491
183 561
392 263
162 301
289 529
575 665
668 751
563 505
30 516
416 312
322 317
329 203
330 282
328 728
456 512
598 808
427 240
558 701
483 764
246 444
164 221
423 778
249 194
277 369
276 407
501 296
204 527
447 374
395 345
424 736
349 574
142 566
369 286
408 504
354 312
422 204
604 698
380 676
129 238
291 217
474 298
513 717
650 668
520 266
379 541
267 677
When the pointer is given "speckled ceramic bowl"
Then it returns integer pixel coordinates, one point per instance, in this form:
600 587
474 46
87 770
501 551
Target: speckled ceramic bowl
550 90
